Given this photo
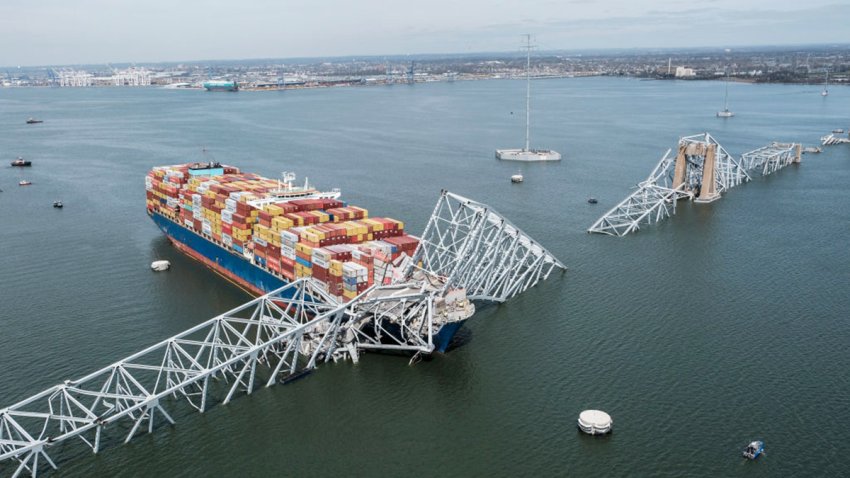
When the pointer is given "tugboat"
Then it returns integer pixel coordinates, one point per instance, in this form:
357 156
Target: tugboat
57 204
24 182
753 450
592 200
34 121
21 162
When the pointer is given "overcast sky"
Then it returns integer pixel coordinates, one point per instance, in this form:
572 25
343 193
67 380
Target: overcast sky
50 32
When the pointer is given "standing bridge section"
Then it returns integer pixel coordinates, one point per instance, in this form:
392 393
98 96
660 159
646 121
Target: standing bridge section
701 171
468 252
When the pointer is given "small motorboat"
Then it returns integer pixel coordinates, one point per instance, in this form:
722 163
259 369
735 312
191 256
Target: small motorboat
592 200
24 182
57 204
34 121
516 178
21 162
753 450
159 266
838 131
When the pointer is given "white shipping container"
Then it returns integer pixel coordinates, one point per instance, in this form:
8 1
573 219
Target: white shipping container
289 237
259 240
226 216
226 239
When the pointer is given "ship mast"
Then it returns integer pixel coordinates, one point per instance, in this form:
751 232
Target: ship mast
527 92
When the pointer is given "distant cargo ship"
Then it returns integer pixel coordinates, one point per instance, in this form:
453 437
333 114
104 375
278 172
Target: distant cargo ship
221 85
261 233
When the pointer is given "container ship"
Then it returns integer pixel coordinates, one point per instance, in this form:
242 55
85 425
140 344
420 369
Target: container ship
261 233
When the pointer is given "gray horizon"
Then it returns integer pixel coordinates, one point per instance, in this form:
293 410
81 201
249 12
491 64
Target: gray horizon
97 32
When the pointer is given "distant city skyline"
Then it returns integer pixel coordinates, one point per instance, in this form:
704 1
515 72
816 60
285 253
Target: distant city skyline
53 32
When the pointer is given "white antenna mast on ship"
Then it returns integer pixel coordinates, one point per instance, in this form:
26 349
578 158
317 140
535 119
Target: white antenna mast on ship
288 177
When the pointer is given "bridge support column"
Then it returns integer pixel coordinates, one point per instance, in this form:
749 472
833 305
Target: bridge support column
680 168
708 189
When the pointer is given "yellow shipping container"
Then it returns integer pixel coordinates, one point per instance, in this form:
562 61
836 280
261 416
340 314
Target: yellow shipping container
336 268
349 293
376 225
323 217
304 248
274 210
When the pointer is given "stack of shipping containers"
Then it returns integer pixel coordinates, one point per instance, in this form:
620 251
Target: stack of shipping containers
338 245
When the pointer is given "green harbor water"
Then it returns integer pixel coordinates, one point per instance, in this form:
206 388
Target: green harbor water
726 323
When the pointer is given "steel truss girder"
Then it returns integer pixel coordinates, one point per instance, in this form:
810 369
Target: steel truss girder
268 333
652 201
728 171
283 334
770 158
655 198
392 322
473 247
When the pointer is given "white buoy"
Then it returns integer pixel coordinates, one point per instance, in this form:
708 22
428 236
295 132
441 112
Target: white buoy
160 266
595 422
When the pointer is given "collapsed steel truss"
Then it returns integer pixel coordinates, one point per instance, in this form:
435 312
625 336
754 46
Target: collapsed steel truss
653 200
276 334
466 247
701 170
474 247
772 158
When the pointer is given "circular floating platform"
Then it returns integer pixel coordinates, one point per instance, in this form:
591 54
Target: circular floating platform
595 422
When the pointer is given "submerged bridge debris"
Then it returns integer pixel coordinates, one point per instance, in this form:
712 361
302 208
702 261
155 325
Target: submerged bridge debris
701 171
468 252
831 140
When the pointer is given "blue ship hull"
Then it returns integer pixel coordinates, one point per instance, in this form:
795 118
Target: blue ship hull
249 277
